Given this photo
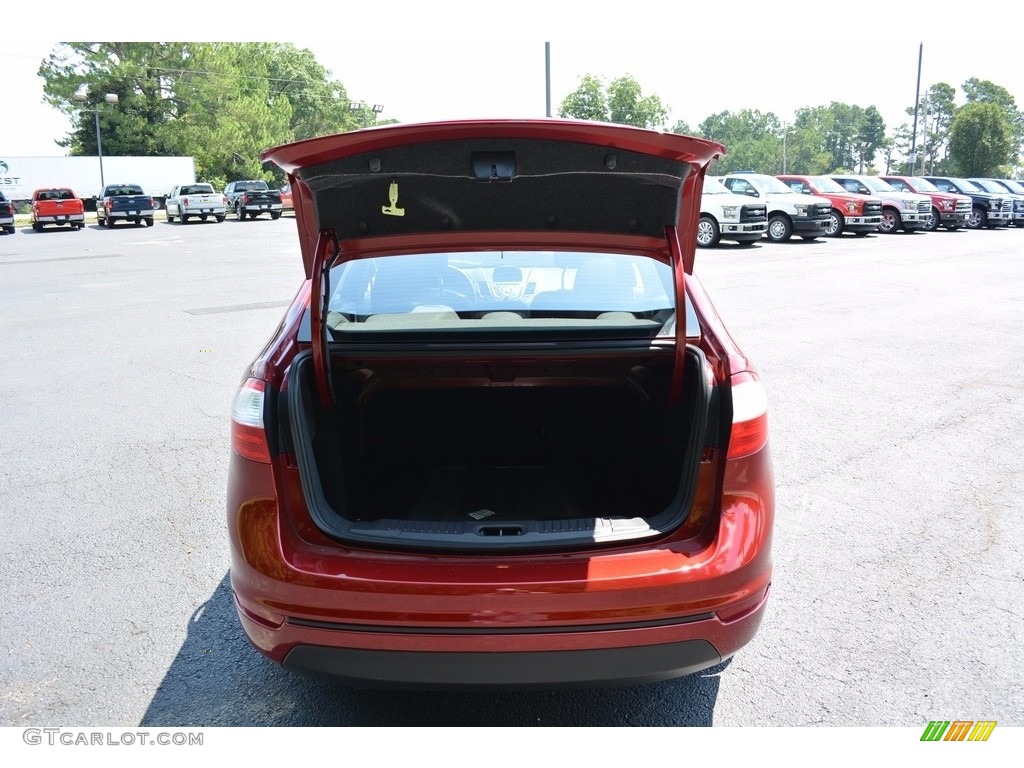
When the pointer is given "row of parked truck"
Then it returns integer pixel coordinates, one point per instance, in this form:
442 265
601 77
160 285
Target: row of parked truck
745 207
128 203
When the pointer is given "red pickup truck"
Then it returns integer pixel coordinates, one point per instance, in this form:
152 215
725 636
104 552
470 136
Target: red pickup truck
59 206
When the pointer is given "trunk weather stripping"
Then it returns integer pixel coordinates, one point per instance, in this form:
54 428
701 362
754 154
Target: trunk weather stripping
679 277
320 292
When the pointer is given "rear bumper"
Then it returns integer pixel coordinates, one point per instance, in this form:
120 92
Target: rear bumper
131 215
209 210
543 669
540 660
66 219
262 208
6 221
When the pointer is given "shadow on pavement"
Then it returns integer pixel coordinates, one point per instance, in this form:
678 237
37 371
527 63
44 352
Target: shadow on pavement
218 679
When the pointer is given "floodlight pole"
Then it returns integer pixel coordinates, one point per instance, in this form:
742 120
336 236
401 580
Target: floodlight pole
917 99
110 98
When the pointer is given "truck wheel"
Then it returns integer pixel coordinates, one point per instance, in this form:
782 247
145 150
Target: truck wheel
149 221
977 219
275 215
836 224
108 222
933 221
891 221
184 219
708 233
170 216
220 219
239 213
37 226
779 228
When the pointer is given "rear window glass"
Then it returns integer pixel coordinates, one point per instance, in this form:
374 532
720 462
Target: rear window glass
251 186
127 189
55 194
519 290
197 189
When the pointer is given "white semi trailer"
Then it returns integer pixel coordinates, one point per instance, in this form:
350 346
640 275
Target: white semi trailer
20 176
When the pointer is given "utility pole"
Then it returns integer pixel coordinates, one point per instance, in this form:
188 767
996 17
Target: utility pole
917 98
547 75
785 132
109 98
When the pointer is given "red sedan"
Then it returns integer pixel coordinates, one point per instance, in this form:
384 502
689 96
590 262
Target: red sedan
483 448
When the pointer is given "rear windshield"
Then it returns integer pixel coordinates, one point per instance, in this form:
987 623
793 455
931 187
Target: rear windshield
56 194
518 290
251 186
125 189
197 189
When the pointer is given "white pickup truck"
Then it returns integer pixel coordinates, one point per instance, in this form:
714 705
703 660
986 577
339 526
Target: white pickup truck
196 201
726 216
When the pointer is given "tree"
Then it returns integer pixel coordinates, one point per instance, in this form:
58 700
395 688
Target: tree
870 135
985 91
221 103
981 139
628 106
621 102
839 135
684 128
936 110
753 140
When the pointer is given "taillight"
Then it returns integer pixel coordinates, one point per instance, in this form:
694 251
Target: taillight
184 201
749 416
248 437
245 197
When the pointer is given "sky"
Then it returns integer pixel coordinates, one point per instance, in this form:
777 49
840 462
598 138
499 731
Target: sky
453 60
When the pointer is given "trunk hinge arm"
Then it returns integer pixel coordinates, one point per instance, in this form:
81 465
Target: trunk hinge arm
679 279
318 314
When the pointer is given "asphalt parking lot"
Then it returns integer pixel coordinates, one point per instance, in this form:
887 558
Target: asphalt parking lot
893 366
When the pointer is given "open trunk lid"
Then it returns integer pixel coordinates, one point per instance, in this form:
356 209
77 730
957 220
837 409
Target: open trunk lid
401 194
512 181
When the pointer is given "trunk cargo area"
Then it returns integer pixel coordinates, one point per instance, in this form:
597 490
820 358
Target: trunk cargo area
530 453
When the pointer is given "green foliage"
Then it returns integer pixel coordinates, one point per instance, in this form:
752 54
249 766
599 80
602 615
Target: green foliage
752 140
682 127
981 139
587 102
622 102
221 103
848 135
936 113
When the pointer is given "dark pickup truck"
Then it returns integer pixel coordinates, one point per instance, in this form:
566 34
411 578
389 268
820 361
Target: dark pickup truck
6 215
988 210
253 197
124 202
